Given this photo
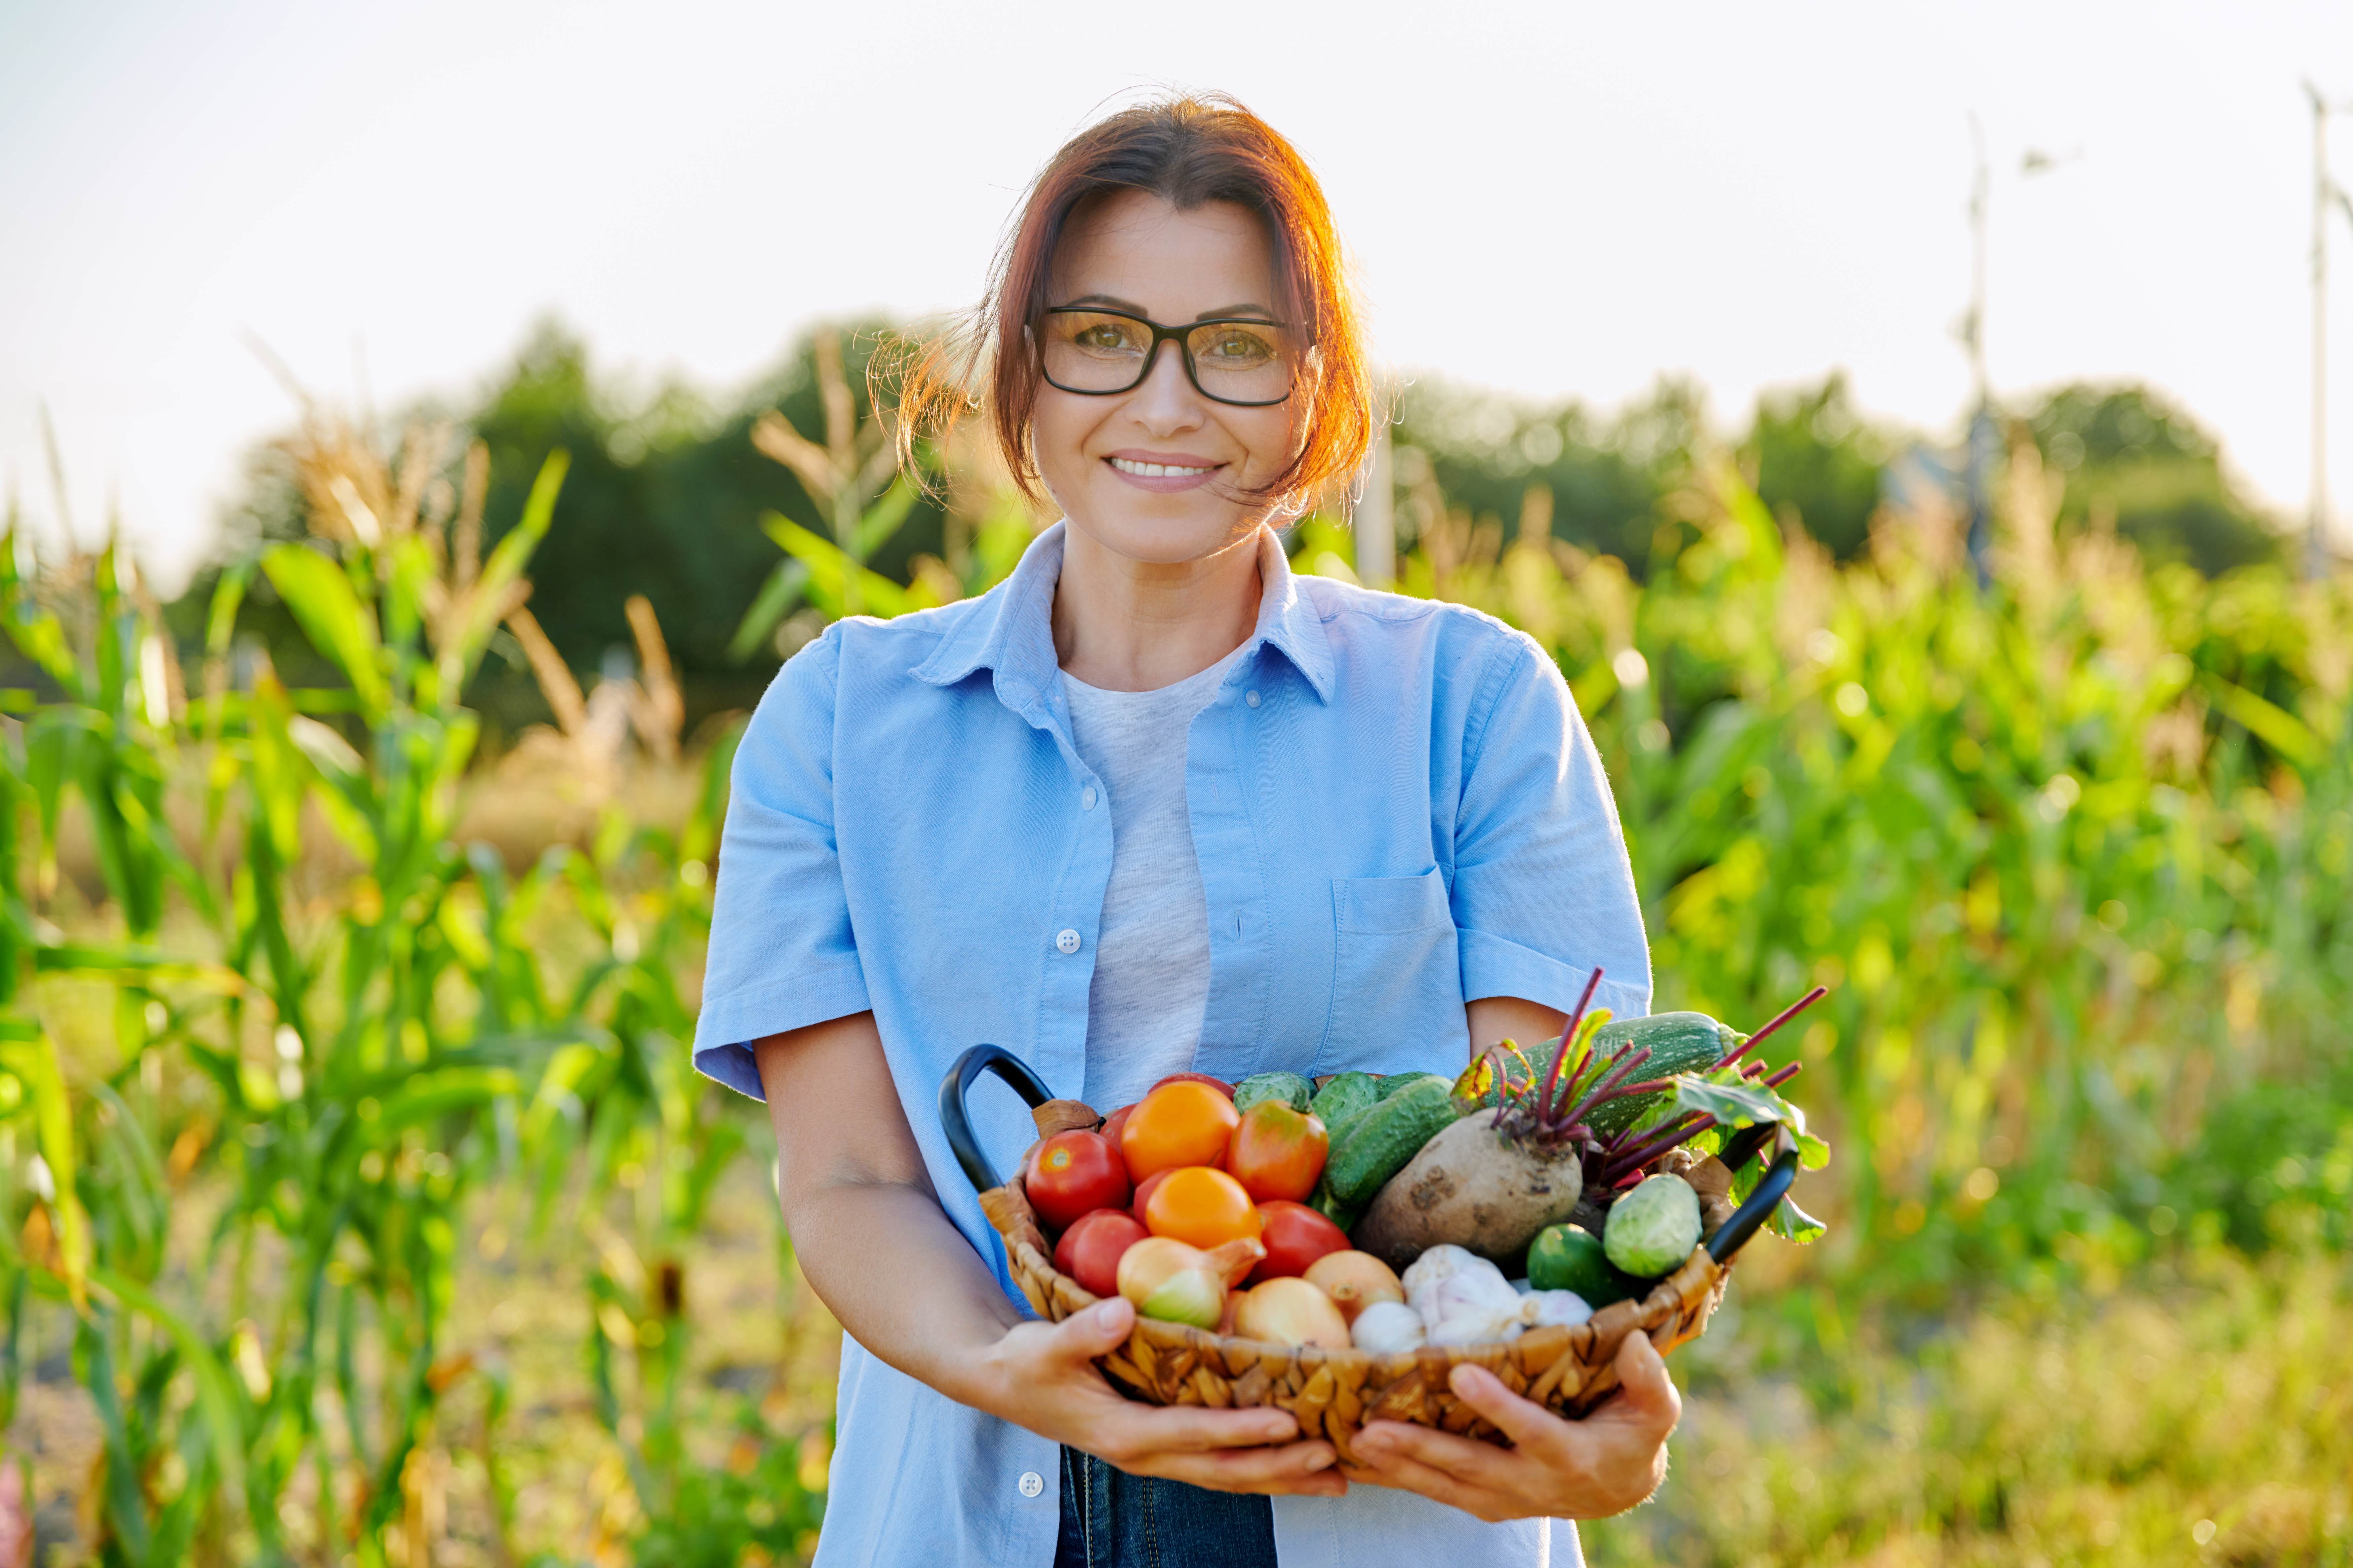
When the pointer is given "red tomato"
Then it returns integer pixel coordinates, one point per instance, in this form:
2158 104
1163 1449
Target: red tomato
1073 1172
1144 1191
1117 1119
1220 1085
1181 1123
1090 1250
1276 1151
1200 1207
1295 1237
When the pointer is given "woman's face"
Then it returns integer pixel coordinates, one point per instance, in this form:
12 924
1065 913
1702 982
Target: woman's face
1136 253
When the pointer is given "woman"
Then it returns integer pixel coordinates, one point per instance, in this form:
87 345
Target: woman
1152 803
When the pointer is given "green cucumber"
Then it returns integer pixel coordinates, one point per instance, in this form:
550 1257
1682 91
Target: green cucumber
1385 1139
1398 1080
1344 1215
1571 1257
1343 1099
1287 1087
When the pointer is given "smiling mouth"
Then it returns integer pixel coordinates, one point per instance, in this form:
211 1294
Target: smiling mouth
1161 470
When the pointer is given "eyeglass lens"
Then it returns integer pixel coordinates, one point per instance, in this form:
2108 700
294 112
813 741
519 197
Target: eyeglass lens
1233 362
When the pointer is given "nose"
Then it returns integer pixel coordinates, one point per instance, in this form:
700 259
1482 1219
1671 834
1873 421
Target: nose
1165 402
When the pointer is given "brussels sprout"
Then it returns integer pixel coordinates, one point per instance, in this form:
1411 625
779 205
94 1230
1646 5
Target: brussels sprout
1653 1228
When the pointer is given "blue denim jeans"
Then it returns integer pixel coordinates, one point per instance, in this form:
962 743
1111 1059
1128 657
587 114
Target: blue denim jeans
1114 1520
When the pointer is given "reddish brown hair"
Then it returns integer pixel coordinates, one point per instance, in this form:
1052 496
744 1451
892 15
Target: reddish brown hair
1189 150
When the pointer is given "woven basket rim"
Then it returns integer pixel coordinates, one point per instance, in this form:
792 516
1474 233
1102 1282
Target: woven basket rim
1696 1277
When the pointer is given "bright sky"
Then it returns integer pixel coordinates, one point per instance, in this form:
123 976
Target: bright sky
1558 198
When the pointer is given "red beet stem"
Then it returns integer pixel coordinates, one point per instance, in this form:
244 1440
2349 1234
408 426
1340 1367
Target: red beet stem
1544 1106
1751 1071
1648 1086
1791 1011
1681 1133
1632 1178
1785 1075
1600 1091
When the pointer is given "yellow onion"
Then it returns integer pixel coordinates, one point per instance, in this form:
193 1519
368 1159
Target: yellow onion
1354 1280
1179 1284
1291 1312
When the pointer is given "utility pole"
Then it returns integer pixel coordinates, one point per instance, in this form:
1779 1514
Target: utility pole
1983 437
1985 430
2325 193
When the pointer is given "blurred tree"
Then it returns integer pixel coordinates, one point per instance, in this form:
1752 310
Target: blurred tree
1485 452
664 500
2136 463
1817 463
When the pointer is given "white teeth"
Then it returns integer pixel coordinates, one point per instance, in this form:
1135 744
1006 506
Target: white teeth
1154 470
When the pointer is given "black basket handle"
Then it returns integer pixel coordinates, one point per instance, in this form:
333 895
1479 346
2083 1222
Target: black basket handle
1734 1233
958 1083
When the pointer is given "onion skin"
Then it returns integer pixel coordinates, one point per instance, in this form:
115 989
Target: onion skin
1354 1280
1193 1296
1291 1312
1145 1264
1474 1187
1173 1282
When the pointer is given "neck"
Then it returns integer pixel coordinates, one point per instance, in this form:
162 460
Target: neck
1122 625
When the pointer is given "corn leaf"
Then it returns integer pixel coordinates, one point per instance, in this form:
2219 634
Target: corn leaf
27 1050
331 616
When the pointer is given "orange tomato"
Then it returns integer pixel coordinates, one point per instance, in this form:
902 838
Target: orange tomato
1201 1207
1181 1123
1276 1151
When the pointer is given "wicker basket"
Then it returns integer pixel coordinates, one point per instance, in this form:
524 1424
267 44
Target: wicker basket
1333 1393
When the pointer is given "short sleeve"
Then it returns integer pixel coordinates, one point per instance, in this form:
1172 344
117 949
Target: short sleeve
1543 892
782 954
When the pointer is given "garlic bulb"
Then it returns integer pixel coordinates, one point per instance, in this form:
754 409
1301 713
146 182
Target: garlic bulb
1447 1279
1477 1326
1556 1310
1462 1298
1387 1327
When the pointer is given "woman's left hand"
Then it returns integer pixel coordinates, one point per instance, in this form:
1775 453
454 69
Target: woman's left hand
1591 1468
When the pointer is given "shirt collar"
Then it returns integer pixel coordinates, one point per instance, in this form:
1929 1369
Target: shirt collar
1010 630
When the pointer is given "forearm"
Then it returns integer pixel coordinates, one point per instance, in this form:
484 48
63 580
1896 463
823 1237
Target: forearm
859 1204
904 1282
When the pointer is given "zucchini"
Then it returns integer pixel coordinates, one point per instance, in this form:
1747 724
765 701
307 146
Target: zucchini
1287 1087
1343 1099
1384 1141
1678 1042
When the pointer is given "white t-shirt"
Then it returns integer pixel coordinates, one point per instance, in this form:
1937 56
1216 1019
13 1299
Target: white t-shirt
1151 980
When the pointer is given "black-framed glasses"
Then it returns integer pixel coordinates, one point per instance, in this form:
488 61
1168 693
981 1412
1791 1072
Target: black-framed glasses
1240 360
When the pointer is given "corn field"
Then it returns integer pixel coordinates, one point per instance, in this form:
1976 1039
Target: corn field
2073 851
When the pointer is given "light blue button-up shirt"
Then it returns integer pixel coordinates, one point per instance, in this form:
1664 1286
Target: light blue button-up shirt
1397 809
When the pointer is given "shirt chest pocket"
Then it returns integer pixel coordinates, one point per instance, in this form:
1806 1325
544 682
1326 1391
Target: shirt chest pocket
1396 976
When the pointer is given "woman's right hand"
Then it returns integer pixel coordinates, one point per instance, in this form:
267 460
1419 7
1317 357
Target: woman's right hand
1043 1376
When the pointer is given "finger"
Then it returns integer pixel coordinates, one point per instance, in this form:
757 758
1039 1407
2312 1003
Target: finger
1383 1445
1132 1428
1100 1330
1648 1398
1402 1471
1309 1468
1525 1422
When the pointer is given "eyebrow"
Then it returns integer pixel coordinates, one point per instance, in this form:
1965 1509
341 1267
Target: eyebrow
1111 302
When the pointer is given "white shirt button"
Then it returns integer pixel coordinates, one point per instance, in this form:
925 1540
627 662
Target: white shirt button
1087 798
1251 698
1031 1483
1067 941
